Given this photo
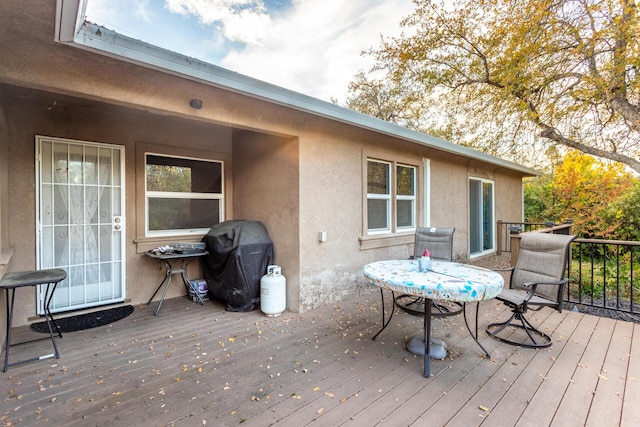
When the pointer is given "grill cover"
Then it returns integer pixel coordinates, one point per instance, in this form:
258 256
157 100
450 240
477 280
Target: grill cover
239 253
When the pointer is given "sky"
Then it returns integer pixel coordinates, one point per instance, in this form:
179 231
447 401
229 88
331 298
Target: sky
309 46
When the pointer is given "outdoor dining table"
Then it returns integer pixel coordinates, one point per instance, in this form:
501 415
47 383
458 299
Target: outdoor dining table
449 281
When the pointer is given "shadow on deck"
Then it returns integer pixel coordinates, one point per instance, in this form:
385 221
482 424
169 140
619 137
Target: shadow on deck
196 365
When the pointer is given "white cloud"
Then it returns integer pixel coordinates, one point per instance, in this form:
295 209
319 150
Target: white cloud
243 21
316 48
143 10
310 46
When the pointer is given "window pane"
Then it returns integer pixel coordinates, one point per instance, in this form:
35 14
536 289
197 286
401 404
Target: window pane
481 227
377 214
378 178
487 216
406 180
183 175
178 214
475 217
405 213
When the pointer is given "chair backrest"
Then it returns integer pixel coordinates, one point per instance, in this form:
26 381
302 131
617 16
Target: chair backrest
543 257
439 241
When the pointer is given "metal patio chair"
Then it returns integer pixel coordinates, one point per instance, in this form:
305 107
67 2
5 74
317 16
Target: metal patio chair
439 242
537 281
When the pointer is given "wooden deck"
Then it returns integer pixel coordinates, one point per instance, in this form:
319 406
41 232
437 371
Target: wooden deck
195 365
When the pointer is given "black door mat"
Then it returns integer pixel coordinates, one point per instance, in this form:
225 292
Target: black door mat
86 321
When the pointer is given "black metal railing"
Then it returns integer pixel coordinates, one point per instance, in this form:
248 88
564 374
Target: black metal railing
603 275
602 272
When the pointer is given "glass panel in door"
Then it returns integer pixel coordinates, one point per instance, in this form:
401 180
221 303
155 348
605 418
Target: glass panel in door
81 221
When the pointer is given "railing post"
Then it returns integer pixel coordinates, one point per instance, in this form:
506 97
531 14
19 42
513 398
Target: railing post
515 247
500 235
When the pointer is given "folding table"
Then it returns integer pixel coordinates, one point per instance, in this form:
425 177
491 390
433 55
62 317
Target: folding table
185 259
10 282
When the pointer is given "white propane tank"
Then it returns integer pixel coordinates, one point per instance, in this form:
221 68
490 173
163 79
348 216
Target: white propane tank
273 292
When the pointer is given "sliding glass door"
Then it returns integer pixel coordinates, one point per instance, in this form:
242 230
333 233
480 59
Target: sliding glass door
481 216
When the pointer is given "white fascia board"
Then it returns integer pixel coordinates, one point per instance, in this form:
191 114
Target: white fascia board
69 18
108 42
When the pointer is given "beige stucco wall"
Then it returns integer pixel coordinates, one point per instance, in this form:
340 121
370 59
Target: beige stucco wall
30 117
298 173
5 251
266 180
333 157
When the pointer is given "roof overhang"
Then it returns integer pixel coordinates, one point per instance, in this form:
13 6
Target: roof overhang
72 29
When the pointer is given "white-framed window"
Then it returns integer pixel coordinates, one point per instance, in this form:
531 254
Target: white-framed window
182 195
391 197
481 216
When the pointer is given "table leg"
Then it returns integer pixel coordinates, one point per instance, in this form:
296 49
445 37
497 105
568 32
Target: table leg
10 306
170 271
7 340
385 322
48 295
167 275
427 337
164 293
475 337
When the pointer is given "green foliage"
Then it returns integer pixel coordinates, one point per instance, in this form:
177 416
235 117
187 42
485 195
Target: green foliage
601 198
537 196
625 212
604 277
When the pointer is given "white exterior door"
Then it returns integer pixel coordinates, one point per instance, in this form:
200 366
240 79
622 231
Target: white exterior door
80 215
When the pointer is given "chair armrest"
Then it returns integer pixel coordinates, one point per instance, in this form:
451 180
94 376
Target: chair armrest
533 285
555 282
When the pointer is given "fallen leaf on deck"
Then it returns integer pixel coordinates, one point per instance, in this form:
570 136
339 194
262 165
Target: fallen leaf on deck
484 408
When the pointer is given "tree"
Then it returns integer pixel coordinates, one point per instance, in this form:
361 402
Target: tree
596 195
389 101
625 212
510 74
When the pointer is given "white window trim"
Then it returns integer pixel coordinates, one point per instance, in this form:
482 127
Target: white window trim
179 195
493 214
392 229
387 197
413 198
426 192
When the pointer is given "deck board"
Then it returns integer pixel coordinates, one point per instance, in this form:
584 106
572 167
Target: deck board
575 404
610 384
490 393
195 365
630 413
528 379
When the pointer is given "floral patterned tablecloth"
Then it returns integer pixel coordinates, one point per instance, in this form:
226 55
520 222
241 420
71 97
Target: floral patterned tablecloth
446 281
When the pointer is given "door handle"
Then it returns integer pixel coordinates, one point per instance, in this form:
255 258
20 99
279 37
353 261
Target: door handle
117 223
